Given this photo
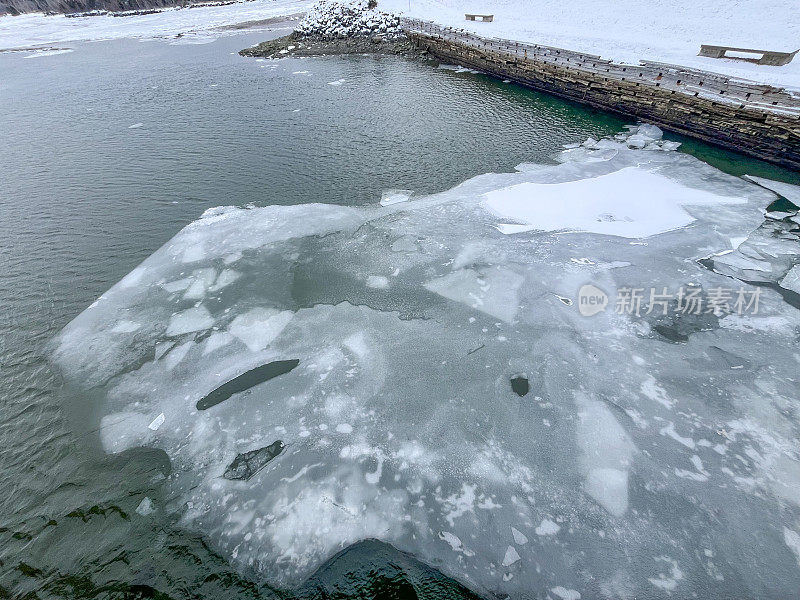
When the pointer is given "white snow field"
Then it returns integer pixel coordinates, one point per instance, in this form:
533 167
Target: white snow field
632 30
653 456
196 25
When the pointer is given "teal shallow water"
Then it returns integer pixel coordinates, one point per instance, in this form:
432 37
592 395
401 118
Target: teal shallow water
84 198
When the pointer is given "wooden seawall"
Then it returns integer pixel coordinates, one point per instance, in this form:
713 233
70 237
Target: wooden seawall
759 120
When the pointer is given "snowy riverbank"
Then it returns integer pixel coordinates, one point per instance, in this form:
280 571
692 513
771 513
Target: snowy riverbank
634 30
196 25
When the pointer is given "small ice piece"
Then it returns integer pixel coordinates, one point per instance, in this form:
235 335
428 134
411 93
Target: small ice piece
791 281
145 507
190 320
135 126
122 431
566 594
455 543
344 428
157 422
177 355
792 540
547 527
637 141
492 290
519 537
788 190
511 556
161 349
216 340
737 241
202 279
337 82
649 131
257 328
390 197
607 453
378 282
227 277
178 285
125 327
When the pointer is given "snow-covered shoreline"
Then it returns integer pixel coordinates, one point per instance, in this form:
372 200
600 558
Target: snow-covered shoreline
36 30
633 30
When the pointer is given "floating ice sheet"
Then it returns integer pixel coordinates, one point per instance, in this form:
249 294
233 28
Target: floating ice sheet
634 454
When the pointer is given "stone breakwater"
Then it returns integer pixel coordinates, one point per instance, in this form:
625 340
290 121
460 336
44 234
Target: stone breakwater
334 27
758 120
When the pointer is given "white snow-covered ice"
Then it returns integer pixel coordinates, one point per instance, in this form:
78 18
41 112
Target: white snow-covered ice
633 30
196 25
645 441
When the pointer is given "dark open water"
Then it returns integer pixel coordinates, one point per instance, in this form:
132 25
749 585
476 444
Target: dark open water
84 199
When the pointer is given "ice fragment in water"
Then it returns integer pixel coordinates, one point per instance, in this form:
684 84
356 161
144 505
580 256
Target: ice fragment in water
791 281
547 527
519 537
511 556
157 422
145 507
190 320
257 328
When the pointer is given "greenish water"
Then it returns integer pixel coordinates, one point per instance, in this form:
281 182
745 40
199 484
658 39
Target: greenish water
84 198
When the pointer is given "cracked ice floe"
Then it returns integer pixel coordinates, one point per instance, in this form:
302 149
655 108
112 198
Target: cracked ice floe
398 419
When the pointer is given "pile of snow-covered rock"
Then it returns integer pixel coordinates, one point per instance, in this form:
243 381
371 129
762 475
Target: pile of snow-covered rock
336 19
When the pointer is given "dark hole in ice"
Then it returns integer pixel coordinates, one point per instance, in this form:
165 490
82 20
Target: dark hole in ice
244 466
519 385
247 380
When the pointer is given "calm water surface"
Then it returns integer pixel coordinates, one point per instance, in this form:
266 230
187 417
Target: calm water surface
84 197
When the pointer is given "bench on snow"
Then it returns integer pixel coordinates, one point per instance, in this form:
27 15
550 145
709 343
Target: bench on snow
486 18
768 57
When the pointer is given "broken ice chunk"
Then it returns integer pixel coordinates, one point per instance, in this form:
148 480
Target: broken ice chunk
190 320
791 281
145 507
390 197
519 537
492 290
257 328
547 527
157 422
245 465
378 282
511 556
